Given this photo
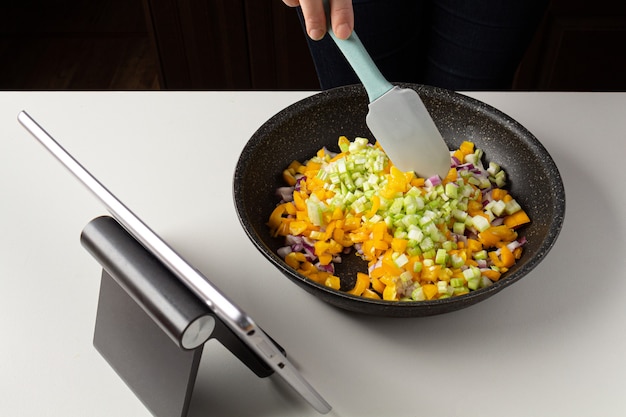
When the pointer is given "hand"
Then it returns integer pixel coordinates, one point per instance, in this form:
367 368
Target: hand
341 17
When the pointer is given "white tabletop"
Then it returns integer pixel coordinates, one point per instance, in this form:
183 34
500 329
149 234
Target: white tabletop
553 344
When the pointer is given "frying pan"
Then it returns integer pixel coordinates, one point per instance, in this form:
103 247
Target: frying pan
300 130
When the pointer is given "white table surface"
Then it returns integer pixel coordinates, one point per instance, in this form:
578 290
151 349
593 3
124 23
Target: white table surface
553 344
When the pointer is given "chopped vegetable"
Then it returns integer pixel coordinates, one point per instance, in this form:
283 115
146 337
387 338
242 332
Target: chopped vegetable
422 238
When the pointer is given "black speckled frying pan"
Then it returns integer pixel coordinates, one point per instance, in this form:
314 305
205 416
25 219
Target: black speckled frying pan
301 129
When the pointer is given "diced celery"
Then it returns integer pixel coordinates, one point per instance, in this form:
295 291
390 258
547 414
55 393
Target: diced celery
430 228
322 174
461 290
456 261
459 215
341 165
410 220
413 250
480 223
400 233
512 206
493 168
471 273
427 244
480 255
315 210
457 282
451 190
418 294
415 234
485 282
474 283
376 218
396 206
484 183
448 245
406 277
500 179
401 260
437 236
498 207
441 257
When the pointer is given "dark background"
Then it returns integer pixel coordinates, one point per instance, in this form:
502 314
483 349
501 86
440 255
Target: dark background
254 45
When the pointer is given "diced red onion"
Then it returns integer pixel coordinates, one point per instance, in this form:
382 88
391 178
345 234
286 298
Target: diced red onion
284 251
298 181
285 193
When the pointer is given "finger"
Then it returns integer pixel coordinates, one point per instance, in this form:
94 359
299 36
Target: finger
342 18
314 18
292 3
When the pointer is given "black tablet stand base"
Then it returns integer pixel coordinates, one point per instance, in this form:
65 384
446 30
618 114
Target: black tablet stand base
161 374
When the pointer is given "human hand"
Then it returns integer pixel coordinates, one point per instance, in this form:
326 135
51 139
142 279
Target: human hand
341 17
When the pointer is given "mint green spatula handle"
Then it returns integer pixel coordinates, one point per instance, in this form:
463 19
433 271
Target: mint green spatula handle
374 82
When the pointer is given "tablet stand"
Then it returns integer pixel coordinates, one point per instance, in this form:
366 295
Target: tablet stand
149 327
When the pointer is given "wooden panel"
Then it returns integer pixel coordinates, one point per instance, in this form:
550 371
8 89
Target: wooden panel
230 44
201 44
78 64
75 44
71 16
279 55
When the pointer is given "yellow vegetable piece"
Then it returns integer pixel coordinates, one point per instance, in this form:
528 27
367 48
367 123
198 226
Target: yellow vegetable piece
289 178
377 285
298 200
343 141
458 154
297 227
430 291
491 274
361 284
390 293
467 147
498 193
333 282
276 216
516 219
508 260
292 261
374 208
451 177
325 258
367 293
496 234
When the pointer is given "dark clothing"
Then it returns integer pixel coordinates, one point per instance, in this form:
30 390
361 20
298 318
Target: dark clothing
454 44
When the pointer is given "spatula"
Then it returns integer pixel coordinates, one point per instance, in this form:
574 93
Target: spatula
397 116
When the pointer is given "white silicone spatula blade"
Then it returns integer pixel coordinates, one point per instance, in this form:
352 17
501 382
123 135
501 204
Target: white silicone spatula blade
401 123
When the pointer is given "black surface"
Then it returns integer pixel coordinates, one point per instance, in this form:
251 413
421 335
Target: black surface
160 374
300 130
